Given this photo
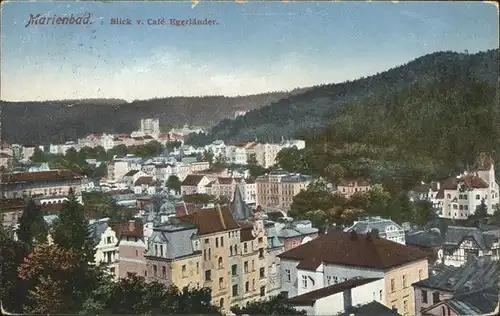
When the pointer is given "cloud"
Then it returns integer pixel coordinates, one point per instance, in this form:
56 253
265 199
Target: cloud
173 72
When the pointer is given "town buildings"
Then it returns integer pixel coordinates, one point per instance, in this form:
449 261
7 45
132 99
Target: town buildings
385 228
459 197
278 187
150 126
471 289
339 256
350 187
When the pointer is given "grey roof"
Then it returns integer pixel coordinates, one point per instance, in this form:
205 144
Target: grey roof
475 303
272 236
456 234
370 309
188 160
431 238
239 209
474 275
366 225
289 232
176 235
98 227
167 208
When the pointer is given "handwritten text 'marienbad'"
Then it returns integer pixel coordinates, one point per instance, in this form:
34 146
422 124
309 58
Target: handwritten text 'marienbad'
38 19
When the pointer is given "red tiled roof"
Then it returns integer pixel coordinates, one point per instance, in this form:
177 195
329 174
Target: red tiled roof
128 228
246 231
40 176
192 180
352 183
353 249
209 221
52 208
225 180
313 296
474 182
7 205
131 173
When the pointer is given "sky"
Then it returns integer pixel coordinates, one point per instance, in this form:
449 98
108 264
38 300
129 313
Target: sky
255 47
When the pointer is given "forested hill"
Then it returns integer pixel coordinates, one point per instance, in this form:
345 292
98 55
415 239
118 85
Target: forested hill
392 89
55 121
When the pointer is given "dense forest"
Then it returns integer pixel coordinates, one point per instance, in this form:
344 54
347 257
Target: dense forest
388 95
56 121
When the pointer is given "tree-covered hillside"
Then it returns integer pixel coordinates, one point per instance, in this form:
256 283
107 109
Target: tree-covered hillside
387 91
56 121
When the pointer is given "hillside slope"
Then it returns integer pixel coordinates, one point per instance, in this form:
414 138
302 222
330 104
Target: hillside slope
310 110
55 121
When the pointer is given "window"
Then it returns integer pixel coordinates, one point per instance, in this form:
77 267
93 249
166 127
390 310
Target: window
253 285
260 240
216 242
164 272
156 250
262 273
262 291
261 253
380 295
209 254
235 290
443 310
235 250
206 240
478 197
220 263
205 257
253 265
161 250
234 270
435 298
245 248
197 268
424 296
130 274
304 281
155 270
247 286
230 250
208 275
245 266
184 271
335 280
108 240
288 276
222 241
329 280
393 285
221 283
404 281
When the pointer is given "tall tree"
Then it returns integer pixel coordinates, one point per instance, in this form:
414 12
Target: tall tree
49 269
32 227
71 232
12 291
173 183
481 210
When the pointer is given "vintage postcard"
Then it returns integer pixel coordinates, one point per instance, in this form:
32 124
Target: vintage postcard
250 158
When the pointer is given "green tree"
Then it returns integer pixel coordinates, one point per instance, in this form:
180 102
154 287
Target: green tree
173 183
424 213
32 227
290 159
71 233
208 156
49 269
38 156
13 290
481 210
273 307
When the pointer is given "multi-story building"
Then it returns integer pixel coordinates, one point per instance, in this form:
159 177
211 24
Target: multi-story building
297 233
107 141
463 243
194 184
471 289
339 256
386 228
11 210
278 188
150 126
459 197
266 154
43 183
349 187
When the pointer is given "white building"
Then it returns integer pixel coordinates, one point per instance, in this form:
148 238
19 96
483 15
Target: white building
386 228
107 141
218 148
339 298
236 155
150 126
